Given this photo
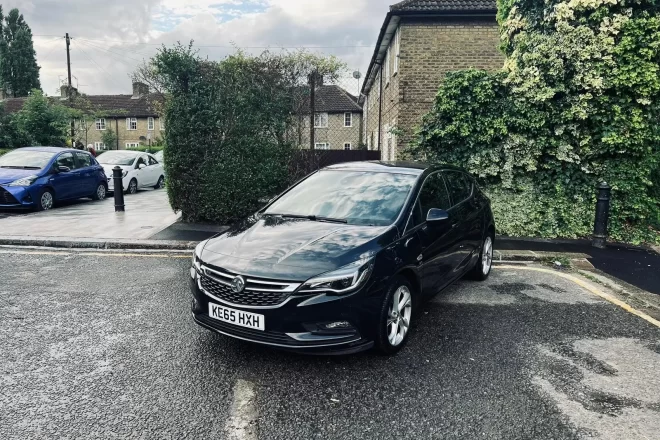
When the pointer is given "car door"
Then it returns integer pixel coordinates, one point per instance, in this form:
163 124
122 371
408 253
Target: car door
86 173
64 182
465 214
156 169
142 174
439 241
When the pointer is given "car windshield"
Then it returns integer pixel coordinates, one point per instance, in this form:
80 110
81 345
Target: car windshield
116 158
26 159
356 197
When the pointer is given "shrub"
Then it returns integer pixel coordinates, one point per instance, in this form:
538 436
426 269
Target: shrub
577 103
228 128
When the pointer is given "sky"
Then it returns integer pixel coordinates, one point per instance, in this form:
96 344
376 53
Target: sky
111 38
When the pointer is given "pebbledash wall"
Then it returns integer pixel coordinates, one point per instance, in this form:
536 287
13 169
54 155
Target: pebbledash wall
429 47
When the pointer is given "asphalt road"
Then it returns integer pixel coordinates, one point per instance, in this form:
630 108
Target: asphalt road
99 346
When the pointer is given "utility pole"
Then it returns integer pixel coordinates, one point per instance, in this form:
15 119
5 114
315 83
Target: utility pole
312 110
69 88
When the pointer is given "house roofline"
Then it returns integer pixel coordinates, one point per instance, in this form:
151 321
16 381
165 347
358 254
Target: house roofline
385 37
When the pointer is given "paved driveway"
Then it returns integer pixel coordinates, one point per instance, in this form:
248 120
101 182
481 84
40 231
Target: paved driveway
147 213
99 345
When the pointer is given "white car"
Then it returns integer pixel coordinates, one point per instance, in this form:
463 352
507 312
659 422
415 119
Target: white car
139 170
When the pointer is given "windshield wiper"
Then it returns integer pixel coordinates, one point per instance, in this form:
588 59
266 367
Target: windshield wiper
313 218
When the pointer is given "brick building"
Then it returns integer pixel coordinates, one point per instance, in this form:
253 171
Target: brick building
419 42
337 121
133 118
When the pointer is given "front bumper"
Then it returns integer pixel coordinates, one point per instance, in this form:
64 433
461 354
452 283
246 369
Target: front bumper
16 197
295 325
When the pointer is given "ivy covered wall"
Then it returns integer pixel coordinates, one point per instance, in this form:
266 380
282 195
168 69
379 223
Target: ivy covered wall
577 102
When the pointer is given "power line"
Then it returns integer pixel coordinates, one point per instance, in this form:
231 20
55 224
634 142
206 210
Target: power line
45 57
99 66
231 46
119 56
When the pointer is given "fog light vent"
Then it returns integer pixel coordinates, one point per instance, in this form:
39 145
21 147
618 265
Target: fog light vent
338 325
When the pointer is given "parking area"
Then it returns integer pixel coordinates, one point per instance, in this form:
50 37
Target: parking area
98 345
147 213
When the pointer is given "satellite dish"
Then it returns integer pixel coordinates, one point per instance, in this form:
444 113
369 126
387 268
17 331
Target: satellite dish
357 74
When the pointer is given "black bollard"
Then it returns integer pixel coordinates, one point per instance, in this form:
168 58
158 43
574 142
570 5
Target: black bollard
119 189
602 215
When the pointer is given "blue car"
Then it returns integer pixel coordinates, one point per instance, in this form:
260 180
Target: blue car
38 177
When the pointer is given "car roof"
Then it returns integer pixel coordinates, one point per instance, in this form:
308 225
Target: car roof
50 149
134 153
393 167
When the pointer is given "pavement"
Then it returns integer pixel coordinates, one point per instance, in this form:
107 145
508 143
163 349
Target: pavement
101 345
147 213
636 266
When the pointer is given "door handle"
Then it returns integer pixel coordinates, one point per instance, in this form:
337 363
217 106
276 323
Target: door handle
408 241
454 225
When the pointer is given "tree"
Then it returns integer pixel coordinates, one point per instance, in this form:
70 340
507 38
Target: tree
109 138
19 72
42 121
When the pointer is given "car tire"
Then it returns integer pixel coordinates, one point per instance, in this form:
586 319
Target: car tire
159 184
484 265
100 193
392 333
132 187
46 200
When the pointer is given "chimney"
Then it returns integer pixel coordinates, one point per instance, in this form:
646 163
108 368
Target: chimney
139 90
64 92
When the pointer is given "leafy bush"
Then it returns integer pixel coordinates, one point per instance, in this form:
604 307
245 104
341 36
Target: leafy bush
229 128
3 151
577 103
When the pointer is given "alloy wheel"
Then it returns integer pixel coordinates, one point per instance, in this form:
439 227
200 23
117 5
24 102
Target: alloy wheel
132 187
398 320
487 255
100 192
46 200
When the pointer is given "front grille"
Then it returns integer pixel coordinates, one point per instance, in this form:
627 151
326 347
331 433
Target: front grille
6 198
257 292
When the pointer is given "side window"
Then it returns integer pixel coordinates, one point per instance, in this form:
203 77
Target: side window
141 160
433 195
84 160
152 161
66 160
459 185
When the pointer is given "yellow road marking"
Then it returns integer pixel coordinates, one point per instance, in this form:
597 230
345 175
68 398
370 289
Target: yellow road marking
97 254
592 289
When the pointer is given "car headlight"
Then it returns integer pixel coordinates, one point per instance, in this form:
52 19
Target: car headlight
196 259
344 280
24 181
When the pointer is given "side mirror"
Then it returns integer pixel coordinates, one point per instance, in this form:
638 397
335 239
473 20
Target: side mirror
142 166
63 169
436 216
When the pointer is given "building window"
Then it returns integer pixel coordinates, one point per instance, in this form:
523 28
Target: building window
322 146
161 122
132 144
100 124
386 61
150 124
397 50
347 146
348 119
321 120
131 123
100 146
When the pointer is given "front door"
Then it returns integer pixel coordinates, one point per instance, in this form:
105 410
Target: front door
460 188
439 241
64 182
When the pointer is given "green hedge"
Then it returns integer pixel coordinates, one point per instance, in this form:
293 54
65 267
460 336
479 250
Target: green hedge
3 151
578 102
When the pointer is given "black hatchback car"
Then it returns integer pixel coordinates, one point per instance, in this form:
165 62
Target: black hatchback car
341 261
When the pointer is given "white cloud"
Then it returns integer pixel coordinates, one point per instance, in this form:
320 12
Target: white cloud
110 38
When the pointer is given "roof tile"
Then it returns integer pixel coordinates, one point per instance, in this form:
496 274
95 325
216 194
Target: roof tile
444 5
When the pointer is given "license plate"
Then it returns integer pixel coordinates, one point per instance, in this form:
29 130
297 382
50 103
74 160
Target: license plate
237 317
